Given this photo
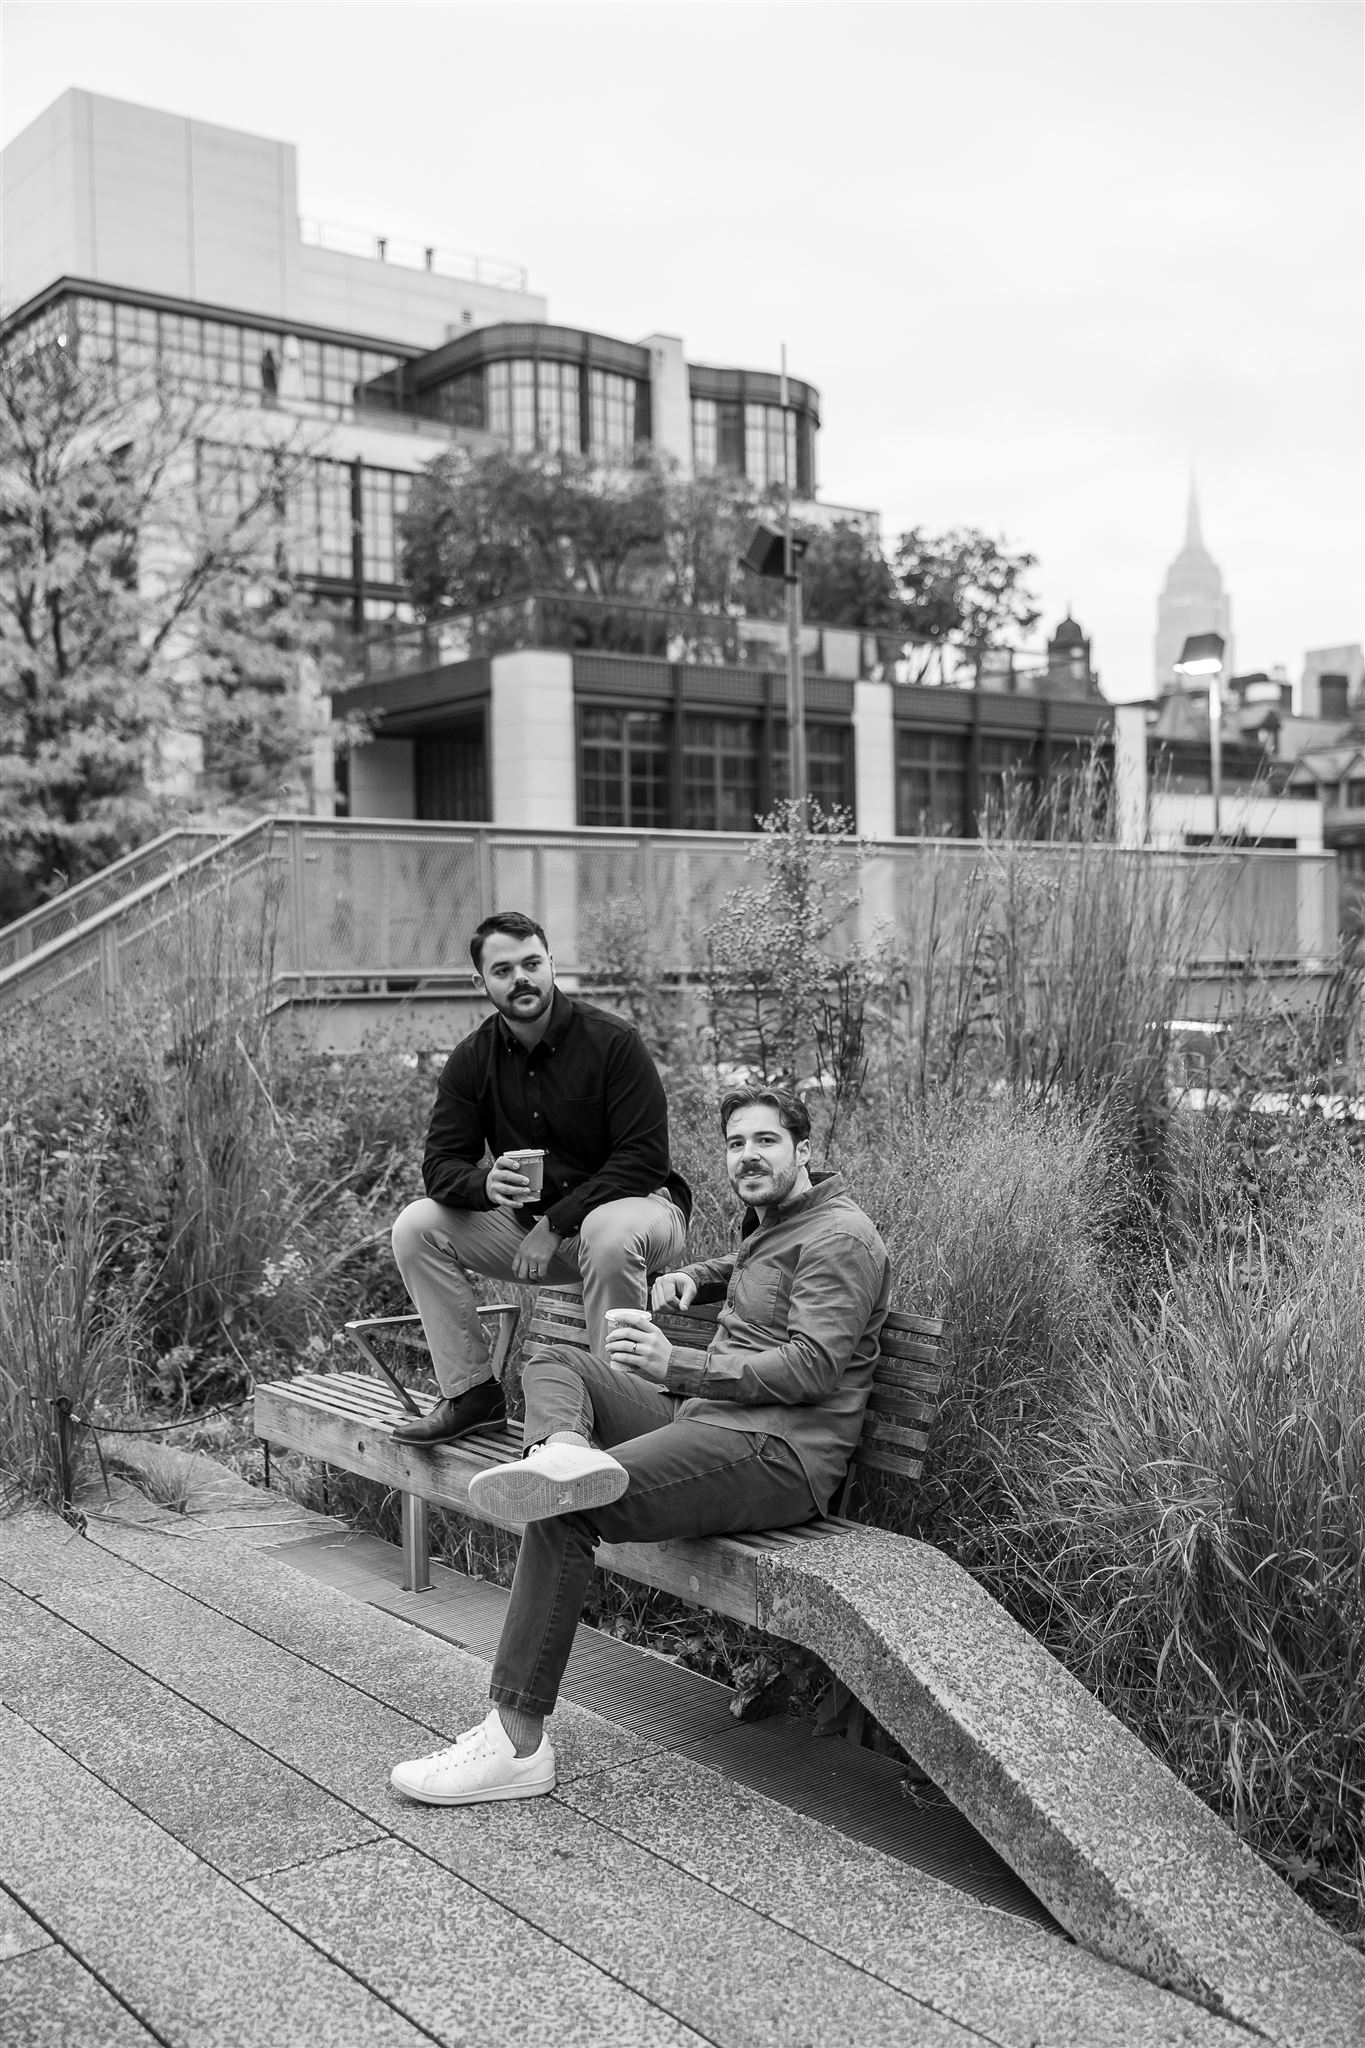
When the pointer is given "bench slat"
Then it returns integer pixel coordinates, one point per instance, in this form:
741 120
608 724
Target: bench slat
917 1407
924 1351
888 1461
889 1436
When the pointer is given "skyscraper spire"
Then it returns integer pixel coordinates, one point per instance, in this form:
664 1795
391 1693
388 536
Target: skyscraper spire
1192 599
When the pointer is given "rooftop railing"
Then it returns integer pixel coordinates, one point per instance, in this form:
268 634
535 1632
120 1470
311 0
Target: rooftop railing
611 626
456 263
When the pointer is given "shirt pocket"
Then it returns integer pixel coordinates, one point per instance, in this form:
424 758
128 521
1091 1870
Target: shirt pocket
763 1291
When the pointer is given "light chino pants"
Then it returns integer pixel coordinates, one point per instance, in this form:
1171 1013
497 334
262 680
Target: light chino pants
618 1245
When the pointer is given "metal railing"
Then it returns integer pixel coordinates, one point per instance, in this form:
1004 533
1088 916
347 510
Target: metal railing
111 885
612 626
341 906
413 255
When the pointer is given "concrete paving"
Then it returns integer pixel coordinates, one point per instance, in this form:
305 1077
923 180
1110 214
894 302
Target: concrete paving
200 1846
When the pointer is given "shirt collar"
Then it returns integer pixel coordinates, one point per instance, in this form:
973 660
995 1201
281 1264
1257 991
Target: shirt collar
561 1015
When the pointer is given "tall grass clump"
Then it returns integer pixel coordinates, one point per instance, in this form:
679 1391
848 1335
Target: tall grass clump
1193 1531
998 1218
248 1182
66 1326
1048 962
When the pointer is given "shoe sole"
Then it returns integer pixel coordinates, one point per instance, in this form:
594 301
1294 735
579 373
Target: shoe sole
518 1493
493 1792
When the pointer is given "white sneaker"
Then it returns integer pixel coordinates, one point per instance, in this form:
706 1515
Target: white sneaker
482 1764
552 1479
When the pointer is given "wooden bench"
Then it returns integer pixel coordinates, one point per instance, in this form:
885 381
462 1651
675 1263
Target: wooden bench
347 1419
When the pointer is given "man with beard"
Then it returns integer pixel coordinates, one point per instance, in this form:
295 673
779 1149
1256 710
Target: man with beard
550 1075
657 1440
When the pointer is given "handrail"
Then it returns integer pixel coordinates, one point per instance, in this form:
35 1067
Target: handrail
112 913
382 904
18 940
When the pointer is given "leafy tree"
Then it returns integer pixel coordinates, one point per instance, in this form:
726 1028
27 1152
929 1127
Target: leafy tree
144 602
485 528
481 529
847 580
962 590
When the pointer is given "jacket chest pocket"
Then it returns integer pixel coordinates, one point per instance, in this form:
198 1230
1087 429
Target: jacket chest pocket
762 1292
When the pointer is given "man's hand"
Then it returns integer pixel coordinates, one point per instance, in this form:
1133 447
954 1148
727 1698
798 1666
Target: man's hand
640 1348
673 1290
534 1254
506 1184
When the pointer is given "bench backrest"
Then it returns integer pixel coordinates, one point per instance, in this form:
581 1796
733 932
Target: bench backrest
905 1383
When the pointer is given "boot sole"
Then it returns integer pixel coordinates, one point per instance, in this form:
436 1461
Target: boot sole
484 1798
517 1493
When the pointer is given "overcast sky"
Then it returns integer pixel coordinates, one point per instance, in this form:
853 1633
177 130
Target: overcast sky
1038 258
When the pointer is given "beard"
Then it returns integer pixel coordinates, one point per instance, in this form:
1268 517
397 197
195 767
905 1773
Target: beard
770 1186
518 1011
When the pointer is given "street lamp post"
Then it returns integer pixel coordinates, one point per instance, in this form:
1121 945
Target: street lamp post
772 553
796 684
1202 655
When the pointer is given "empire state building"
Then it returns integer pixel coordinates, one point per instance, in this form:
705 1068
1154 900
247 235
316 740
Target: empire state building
1193 601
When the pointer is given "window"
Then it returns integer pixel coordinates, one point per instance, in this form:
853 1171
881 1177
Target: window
1355 793
320 521
705 445
384 499
461 400
1008 771
612 413
558 424
720 773
533 404
931 784
623 767
763 464
452 772
220 355
829 764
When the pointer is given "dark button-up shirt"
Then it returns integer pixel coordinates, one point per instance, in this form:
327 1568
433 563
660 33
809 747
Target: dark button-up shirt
796 1343
588 1095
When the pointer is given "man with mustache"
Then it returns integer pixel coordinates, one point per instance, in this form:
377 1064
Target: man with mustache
656 1440
549 1073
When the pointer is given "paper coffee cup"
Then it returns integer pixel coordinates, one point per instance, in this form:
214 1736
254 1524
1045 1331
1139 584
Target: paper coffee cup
625 1319
532 1164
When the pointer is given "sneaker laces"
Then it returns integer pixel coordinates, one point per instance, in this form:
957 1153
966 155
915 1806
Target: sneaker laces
469 1744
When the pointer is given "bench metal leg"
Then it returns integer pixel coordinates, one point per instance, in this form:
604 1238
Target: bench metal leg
416 1545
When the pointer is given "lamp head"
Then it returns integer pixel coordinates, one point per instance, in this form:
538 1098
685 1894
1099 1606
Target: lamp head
1202 655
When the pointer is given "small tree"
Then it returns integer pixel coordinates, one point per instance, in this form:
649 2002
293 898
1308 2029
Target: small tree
141 594
768 960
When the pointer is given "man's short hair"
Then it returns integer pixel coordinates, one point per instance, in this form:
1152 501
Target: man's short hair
513 924
791 1110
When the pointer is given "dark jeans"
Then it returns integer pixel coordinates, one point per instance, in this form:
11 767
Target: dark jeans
686 1479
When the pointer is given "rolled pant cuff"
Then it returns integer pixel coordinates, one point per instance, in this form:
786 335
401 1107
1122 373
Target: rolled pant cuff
520 1702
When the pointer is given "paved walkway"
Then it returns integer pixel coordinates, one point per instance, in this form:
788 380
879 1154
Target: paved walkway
199 1846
